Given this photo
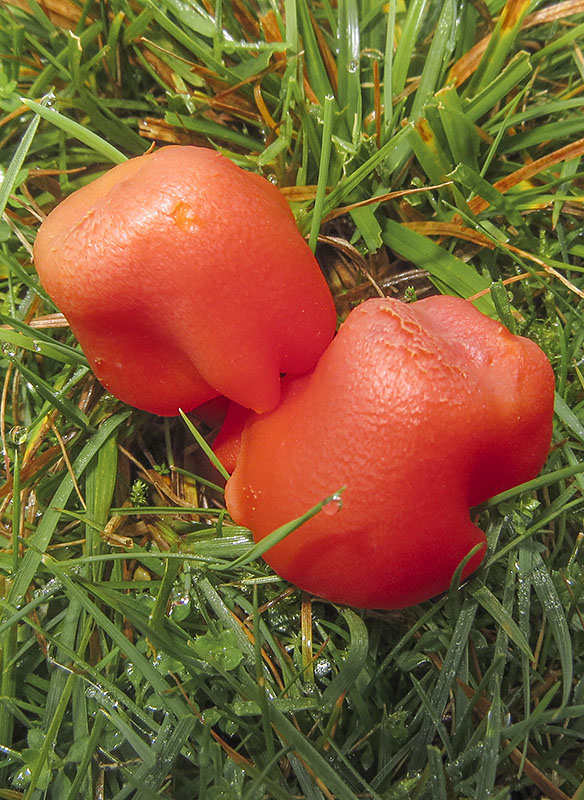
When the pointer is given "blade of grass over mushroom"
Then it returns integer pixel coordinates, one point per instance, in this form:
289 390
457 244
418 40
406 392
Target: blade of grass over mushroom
34 340
537 483
280 533
200 440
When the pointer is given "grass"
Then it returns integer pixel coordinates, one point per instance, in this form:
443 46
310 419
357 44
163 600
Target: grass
423 146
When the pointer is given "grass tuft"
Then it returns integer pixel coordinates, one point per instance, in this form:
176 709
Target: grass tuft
145 648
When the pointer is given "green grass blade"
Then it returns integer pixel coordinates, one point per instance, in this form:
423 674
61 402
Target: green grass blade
500 43
323 172
11 175
354 661
410 29
457 277
494 607
437 59
77 131
56 399
539 576
39 541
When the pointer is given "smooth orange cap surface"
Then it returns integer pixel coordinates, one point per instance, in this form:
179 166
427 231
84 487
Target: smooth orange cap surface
185 277
420 411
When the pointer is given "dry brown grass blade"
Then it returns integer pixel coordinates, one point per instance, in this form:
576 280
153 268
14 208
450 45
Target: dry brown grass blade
269 23
155 479
262 107
512 13
32 468
63 13
548 269
570 151
158 130
164 72
68 464
328 59
431 228
557 13
238 105
467 65
299 194
306 636
382 198
50 321
461 232
377 102
246 18
13 114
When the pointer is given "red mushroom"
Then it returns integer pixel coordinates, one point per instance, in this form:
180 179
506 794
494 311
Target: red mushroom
185 277
421 411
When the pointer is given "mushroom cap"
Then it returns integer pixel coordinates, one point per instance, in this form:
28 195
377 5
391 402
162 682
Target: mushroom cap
185 277
419 411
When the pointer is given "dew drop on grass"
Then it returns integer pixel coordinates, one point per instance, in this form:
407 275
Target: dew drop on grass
18 434
9 349
47 590
352 65
322 667
333 505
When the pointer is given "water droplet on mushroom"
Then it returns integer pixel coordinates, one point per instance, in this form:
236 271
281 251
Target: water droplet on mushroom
333 505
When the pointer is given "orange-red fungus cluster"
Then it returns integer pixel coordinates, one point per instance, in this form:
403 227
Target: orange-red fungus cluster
185 278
